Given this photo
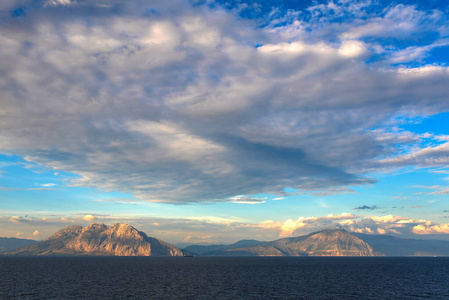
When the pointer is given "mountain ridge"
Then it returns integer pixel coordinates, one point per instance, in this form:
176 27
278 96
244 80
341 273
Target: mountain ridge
327 242
125 240
10 244
382 244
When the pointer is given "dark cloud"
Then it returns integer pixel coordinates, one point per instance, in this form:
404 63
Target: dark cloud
174 103
366 207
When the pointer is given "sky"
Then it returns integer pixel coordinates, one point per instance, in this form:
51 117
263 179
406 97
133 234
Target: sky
215 121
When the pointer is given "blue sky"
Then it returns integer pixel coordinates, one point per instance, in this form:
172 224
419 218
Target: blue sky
214 121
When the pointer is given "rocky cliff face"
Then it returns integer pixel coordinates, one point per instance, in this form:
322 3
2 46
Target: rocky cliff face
322 243
100 239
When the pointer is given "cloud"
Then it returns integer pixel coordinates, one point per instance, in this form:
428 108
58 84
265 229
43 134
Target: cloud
229 229
178 103
366 207
26 189
352 49
304 224
437 190
14 219
428 156
207 229
431 229
89 218
49 184
247 200
395 225
334 191
278 198
388 224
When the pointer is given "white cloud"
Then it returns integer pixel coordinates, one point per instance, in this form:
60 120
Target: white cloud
396 225
305 224
89 218
14 219
429 228
352 48
247 200
388 224
49 184
183 107
60 2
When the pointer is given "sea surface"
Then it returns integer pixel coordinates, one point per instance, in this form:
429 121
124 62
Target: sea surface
224 278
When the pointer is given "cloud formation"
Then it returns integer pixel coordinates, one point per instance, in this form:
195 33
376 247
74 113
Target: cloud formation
175 102
213 229
305 224
389 224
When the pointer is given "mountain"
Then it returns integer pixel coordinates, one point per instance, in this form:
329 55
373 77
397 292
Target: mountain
204 250
393 246
9 244
337 242
100 239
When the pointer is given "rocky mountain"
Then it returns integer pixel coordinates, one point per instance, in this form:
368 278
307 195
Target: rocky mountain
327 242
100 239
9 244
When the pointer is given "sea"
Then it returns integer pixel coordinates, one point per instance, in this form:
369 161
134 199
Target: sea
224 277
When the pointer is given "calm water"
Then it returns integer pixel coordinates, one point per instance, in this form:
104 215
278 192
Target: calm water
223 278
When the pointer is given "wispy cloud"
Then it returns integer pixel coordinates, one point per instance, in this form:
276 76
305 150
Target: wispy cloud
25 189
49 185
437 189
247 200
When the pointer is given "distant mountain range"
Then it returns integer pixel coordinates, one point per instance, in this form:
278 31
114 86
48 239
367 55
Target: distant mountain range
100 239
393 246
329 242
8 244
125 240
335 242
211 249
